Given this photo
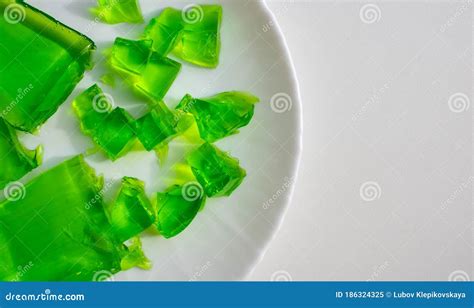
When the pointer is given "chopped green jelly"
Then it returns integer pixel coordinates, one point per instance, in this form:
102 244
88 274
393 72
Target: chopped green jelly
192 35
57 226
15 160
112 130
146 71
157 127
118 11
41 62
221 115
132 211
217 172
177 207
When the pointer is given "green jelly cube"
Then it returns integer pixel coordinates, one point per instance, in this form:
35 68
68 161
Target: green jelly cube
192 35
41 62
157 127
112 130
165 30
130 56
217 172
132 212
15 160
177 207
221 115
57 226
147 72
116 134
118 11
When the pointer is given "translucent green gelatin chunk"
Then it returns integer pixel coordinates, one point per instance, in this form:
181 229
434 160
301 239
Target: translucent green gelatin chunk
41 62
118 11
112 130
192 34
131 212
177 207
217 172
146 71
57 227
15 160
221 115
157 127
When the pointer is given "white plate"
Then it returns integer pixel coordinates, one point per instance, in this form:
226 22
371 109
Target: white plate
230 235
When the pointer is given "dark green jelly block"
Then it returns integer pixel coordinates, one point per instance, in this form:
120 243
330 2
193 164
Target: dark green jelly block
15 160
177 207
132 211
221 115
41 62
58 228
217 172
157 127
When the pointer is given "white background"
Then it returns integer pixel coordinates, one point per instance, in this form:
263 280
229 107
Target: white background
387 98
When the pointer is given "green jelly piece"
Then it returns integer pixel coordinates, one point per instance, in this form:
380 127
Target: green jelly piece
217 172
15 160
221 115
177 207
131 212
192 35
165 30
135 256
149 73
112 130
157 127
41 62
57 225
118 11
